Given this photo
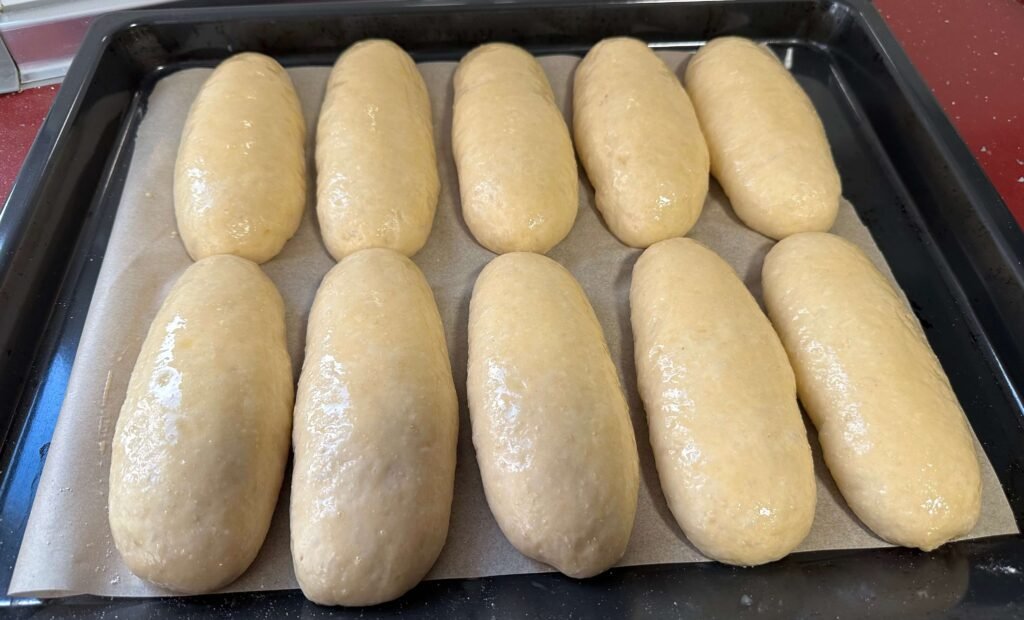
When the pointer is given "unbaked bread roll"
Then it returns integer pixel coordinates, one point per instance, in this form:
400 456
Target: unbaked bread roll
240 177
551 426
639 141
376 426
726 431
202 439
768 147
517 170
377 182
891 429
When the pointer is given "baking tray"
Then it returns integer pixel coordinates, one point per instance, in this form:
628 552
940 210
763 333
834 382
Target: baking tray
951 242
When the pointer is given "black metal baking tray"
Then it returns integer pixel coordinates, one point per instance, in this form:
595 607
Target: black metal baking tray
952 244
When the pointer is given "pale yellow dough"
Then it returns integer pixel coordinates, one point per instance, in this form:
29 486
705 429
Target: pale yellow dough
240 176
892 432
377 182
726 431
517 169
202 439
639 140
551 426
376 426
768 147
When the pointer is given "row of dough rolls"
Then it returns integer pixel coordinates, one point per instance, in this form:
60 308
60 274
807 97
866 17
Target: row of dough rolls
376 417
720 393
646 148
239 184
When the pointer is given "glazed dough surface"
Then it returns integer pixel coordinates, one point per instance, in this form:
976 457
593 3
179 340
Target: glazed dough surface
551 426
516 166
720 396
376 426
202 439
240 176
639 140
377 181
892 432
768 147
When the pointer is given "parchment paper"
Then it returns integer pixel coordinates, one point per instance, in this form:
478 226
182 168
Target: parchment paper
67 547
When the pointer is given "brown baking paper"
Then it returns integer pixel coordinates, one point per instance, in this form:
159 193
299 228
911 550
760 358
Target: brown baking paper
67 547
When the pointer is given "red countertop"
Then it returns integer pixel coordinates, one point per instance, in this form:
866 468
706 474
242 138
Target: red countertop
970 52
21 114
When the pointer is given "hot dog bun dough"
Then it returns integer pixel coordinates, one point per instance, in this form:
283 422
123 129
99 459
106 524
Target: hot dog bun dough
768 147
240 176
202 439
550 423
639 140
376 426
517 169
377 181
892 432
726 431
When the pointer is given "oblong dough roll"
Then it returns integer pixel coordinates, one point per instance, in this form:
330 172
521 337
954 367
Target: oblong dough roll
376 426
768 147
639 140
377 181
202 438
551 426
517 170
240 176
892 432
726 431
